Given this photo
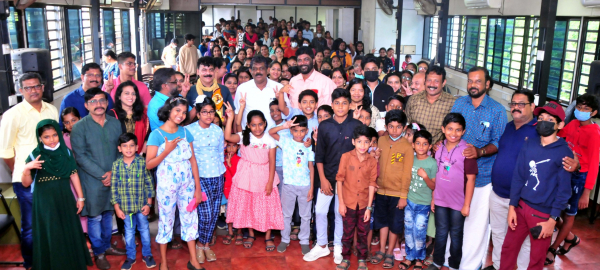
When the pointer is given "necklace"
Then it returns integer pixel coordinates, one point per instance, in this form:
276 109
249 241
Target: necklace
447 165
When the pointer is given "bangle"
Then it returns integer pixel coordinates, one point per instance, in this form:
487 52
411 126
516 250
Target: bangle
81 199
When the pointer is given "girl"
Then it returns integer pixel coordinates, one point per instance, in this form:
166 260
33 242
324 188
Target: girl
209 152
59 240
236 65
284 40
394 80
411 129
274 46
285 72
318 61
359 99
338 76
130 111
275 71
216 51
340 51
244 75
326 69
254 199
231 81
170 148
336 62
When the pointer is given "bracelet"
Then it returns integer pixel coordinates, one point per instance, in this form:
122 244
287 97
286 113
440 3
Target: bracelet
81 199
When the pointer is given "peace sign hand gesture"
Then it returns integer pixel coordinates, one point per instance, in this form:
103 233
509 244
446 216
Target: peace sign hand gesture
185 87
290 124
356 113
35 164
109 84
243 100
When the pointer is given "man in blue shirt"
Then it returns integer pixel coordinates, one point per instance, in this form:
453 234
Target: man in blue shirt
486 120
165 85
307 33
92 78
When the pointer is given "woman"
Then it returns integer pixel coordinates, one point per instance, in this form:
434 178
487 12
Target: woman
235 66
231 81
318 60
360 48
329 39
394 79
284 39
275 71
266 40
59 240
279 51
336 62
359 99
285 72
249 52
274 46
340 52
112 66
216 51
130 111
339 77
244 75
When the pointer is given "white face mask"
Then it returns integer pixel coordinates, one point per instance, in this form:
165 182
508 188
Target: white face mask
305 45
294 44
319 35
52 149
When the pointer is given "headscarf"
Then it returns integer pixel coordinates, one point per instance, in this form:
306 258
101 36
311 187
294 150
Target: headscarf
60 162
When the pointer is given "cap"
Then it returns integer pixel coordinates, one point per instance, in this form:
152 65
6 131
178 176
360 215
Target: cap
552 108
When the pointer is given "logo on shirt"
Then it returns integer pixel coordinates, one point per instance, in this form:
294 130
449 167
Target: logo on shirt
398 157
299 157
533 171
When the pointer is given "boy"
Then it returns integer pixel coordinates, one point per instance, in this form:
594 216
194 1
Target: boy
583 137
539 191
394 102
307 103
364 115
356 197
277 118
298 174
454 187
395 163
132 193
334 139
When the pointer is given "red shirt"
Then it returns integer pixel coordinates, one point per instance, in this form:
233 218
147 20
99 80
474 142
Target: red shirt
585 142
289 52
229 173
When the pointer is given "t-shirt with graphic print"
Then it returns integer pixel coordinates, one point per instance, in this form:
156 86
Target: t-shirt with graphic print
451 176
265 142
419 192
295 160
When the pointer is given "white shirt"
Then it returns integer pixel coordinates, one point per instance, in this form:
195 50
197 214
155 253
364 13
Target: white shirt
257 99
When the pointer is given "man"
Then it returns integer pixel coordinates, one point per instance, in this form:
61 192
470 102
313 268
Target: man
91 78
165 85
127 67
307 33
416 86
217 33
169 54
264 51
319 42
209 86
18 140
259 92
188 56
486 120
94 139
379 91
429 107
309 78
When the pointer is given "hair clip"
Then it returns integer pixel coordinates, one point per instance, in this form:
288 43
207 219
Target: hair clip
416 126
200 99
175 99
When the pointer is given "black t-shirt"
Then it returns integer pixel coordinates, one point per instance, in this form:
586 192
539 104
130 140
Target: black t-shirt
381 95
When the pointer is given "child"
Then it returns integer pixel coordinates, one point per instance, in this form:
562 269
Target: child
254 203
355 198
132 193
540 189
416 213
334 139
364 115
307 103
583 137
411 130
395 162
394 102
323 113
277 118
231 163
210 155
452 195
170 148
298 173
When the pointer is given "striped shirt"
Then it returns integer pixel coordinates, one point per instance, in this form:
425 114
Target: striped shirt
431 115
131 185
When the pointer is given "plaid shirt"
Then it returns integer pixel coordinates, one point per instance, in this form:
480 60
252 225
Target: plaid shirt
419 110
131 185
485 125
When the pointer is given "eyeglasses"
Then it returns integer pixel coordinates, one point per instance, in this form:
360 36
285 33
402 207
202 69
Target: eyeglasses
180 81
406 78
94 75
38 87
207 113
173 82
255 69
518 105
97 101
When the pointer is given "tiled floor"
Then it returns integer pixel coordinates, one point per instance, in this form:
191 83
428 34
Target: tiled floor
585 256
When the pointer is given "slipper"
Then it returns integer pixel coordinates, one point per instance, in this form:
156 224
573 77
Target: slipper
249 244
379 256
294 233
227 239
270 248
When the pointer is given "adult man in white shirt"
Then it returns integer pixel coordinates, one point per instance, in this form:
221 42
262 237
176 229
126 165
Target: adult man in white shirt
217 33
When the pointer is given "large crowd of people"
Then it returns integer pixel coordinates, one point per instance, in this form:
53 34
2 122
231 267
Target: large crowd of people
280 129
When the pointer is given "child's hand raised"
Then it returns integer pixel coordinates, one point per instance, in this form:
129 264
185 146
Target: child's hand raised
35 164
170 145
356 113
290 124
229 109
243 99
422 173
307 143
315 133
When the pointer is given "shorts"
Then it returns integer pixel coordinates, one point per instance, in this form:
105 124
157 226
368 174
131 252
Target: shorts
577 186
372 217
388 215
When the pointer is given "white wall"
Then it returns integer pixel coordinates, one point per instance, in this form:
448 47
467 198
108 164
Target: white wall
346 24
284 13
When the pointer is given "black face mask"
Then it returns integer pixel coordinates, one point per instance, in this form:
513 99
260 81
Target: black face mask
294 70
545 128
371 76
326 72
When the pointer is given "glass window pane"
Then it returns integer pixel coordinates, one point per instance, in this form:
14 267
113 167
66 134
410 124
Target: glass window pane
471 39
109 29
75 42
560 31
12 28
36 28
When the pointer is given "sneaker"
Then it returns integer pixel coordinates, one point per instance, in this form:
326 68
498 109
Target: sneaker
149 260
337 254
305 249
221 224
102 262
282 247
127 264
316 253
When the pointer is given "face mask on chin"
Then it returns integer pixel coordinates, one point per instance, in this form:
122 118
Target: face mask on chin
53 148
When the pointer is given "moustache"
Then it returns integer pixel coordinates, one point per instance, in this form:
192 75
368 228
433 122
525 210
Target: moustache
513 111
258 74
207 76
94 82
473 88
100 108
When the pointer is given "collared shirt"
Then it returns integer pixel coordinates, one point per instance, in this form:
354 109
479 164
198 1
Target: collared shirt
75 99
380 95
256 99
209 149
313 122
509 146
18 137
356 177
295 160
485 125
142 89
307 34
323 84
188 56
333 140
131 185
419 110
155 104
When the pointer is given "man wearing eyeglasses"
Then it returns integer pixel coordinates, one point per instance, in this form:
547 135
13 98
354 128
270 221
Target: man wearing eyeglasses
91 78
127 68
17 141
209 85
166 85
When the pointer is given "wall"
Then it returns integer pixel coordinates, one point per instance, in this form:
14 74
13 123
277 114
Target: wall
511 8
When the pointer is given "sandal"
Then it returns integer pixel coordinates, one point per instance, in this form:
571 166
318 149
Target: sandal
418 266
573 243
227 239
210 255
200 256
268 247
379 256
388 263
294 233
175 244
549 261
404 266
362 267
247 243
239 239
428 261
213 241
340 267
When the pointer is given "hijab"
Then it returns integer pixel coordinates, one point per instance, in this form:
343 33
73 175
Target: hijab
59 162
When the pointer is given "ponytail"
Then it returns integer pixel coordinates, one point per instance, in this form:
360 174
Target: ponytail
246 136
246 131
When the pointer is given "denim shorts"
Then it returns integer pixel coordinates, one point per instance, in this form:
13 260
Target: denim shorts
388 215
577 186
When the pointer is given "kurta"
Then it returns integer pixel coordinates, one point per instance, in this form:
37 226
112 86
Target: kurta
95 149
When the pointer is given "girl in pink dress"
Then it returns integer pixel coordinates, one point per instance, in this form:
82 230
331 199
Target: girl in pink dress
254 200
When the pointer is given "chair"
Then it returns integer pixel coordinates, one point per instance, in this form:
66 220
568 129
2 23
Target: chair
6 220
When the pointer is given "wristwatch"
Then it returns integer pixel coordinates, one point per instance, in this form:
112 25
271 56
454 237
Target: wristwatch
81 199
370 208
554 217
149 205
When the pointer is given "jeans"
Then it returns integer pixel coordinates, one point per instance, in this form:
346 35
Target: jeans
416 217
448 222
322 209
141 222
577 186
100 231
25 198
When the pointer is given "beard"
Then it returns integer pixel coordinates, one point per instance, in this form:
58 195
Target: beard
305 69
478 94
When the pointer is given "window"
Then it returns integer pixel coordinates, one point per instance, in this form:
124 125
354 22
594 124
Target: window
55 39
36 28
12 22
75 42
530 57
482 36
589 39
431 38
515 56
108 29
562 59
118 32
471 43
86 24
126 30
452 40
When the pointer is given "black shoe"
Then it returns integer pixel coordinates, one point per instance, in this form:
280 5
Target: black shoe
491 267
115 251
191 267
102 262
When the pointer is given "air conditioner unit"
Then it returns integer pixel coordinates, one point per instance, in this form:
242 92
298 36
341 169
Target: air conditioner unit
590 3
484 3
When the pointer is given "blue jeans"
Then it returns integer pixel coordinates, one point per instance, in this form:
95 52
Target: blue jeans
577 186
25 198
141 222
448 222
416 217
100 231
